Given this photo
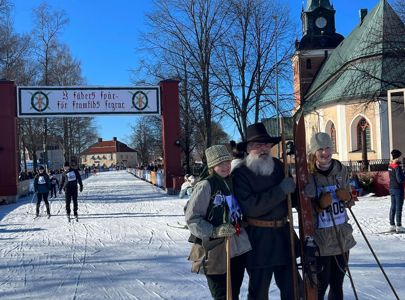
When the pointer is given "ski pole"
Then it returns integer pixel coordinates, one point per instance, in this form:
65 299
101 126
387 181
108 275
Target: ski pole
228 269
372 251
343 253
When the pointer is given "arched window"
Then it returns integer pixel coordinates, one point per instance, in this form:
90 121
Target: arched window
333 137
363 125
309 64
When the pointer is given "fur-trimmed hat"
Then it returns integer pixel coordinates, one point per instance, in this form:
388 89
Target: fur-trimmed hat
217 154
237 150
320 140
258 133
396 153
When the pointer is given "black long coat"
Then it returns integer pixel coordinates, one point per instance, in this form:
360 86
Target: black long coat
260 197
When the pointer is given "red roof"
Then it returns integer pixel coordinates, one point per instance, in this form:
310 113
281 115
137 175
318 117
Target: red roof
108 147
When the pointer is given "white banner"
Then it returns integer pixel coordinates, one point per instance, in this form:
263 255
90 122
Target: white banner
87 101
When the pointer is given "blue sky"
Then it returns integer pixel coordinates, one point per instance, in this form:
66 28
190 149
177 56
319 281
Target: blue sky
104 36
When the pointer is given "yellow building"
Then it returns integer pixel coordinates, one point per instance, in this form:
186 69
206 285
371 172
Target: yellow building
109 154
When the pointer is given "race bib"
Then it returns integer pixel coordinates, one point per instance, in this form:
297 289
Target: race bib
41 180
337 208
71 176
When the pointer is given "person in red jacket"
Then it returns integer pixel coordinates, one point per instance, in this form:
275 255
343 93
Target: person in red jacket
397 179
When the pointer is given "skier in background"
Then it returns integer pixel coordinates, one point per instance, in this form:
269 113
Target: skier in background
70 179
54 183
41 188
330 190
397 179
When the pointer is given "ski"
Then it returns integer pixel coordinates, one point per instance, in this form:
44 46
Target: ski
305 214
179 226
390 232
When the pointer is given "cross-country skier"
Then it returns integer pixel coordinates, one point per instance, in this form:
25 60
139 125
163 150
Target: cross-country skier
41 188
329 187
70 179
397 179
54 184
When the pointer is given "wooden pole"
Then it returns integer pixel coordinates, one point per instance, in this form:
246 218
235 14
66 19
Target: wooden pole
228 269
290 216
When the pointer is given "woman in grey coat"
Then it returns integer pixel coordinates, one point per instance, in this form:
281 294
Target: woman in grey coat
212 215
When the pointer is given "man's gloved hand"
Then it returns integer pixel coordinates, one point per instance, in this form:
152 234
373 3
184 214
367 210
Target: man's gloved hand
81 189
223 230
343 195
287 185
325 201
309 191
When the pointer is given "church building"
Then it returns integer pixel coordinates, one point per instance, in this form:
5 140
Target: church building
342 84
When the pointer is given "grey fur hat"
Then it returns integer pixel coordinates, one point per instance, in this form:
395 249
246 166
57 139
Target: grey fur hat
217 154
320 140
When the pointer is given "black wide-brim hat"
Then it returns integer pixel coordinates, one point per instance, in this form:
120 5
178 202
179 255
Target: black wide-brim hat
257 133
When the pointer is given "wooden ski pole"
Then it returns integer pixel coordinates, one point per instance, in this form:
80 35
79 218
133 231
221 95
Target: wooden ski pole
290 216
228 269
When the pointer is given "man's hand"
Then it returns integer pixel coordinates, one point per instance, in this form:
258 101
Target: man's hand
223 230
309 191
287 185
81 188
343 195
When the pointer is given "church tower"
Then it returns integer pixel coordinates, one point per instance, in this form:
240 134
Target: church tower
318 41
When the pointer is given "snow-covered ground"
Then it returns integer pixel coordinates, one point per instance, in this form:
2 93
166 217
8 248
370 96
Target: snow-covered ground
123 247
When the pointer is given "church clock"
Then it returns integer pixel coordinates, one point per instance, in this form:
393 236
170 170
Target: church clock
321 22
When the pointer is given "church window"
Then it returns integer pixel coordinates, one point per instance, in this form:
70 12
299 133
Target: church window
363 125
333 137
309 64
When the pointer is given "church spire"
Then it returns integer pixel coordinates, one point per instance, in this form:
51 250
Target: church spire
314 4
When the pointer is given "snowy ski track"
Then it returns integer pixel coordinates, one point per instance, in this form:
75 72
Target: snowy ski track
123 248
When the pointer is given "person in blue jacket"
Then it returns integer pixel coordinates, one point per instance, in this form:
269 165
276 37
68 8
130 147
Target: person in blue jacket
42 186
397 179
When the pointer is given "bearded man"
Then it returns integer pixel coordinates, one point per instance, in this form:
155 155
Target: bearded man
261 190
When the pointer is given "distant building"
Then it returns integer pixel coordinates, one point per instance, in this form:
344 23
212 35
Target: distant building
109 154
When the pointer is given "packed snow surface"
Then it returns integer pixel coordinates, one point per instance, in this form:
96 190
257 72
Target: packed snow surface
128 244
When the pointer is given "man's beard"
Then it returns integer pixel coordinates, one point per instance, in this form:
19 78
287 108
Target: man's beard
260 164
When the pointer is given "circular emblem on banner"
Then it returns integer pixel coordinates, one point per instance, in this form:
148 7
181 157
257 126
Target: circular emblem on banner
140 100
39 101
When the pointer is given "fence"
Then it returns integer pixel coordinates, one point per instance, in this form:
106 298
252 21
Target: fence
373 165
156 178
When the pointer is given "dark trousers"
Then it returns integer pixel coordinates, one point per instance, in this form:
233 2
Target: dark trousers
69 196
259 282
217 283
53 190
332 275
41 196
397 201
